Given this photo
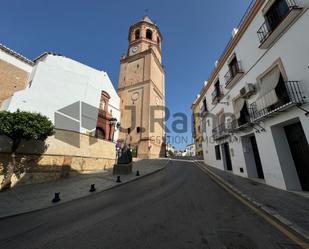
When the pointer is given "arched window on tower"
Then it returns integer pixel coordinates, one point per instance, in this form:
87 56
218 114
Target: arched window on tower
149 34
137 34
158 40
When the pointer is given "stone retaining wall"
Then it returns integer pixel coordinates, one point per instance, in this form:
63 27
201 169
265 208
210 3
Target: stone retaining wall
39 162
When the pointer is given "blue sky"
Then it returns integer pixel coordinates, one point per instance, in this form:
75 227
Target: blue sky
95 33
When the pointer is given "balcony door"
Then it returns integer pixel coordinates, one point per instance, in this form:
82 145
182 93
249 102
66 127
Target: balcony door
276 13
234 69
244 116
300 151
227 157
257 159
217 87
282 92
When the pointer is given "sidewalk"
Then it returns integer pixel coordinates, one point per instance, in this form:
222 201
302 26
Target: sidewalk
38 196
290 208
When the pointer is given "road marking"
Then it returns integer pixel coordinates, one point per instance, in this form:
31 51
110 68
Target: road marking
298 239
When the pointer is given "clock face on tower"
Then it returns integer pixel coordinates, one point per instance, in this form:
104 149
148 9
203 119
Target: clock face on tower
135 49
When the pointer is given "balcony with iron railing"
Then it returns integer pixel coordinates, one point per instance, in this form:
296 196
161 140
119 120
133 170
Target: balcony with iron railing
217 94
293 96
233 75
240 125
223 130
276 23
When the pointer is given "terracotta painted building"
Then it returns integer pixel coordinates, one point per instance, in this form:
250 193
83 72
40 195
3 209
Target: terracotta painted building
197 111
15 70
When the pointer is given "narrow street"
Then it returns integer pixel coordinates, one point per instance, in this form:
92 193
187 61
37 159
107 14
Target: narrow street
178 207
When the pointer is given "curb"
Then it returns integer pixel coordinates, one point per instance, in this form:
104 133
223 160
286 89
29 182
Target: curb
295 228
95 193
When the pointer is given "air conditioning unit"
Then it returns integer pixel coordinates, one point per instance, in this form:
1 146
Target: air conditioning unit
247 91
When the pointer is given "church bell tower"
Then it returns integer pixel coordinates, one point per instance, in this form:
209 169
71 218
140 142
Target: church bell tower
141 89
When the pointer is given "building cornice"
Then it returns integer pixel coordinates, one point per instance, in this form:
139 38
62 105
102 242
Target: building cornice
44 55
140 40
146 82
140 55
16 55
156 89
231 46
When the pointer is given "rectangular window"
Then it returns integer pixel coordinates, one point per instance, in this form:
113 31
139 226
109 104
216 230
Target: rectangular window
205 105
276 13
218 154
234 69
217 87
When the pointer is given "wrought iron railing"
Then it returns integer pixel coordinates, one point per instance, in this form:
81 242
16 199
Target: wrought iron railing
266 29
218 131
293 96
223 130
240 124
217 93
231 74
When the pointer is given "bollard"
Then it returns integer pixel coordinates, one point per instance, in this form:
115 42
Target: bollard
92 188
118 179
137 173
56 198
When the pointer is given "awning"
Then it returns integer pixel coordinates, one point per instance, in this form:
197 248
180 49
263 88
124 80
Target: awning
267 85
238 105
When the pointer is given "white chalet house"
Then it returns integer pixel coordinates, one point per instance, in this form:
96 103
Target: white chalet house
255 119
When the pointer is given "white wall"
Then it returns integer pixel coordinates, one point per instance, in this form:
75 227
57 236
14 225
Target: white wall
293 50
190 150
58 81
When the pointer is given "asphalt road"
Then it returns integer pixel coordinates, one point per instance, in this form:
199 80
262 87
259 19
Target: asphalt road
179 207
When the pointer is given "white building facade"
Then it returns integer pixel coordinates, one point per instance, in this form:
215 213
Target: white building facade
69 93
190 150
80 101
255 105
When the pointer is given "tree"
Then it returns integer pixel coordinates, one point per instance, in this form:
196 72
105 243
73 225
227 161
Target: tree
18 126
170 153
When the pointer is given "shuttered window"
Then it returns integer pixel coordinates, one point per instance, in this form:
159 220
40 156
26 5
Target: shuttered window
267 85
